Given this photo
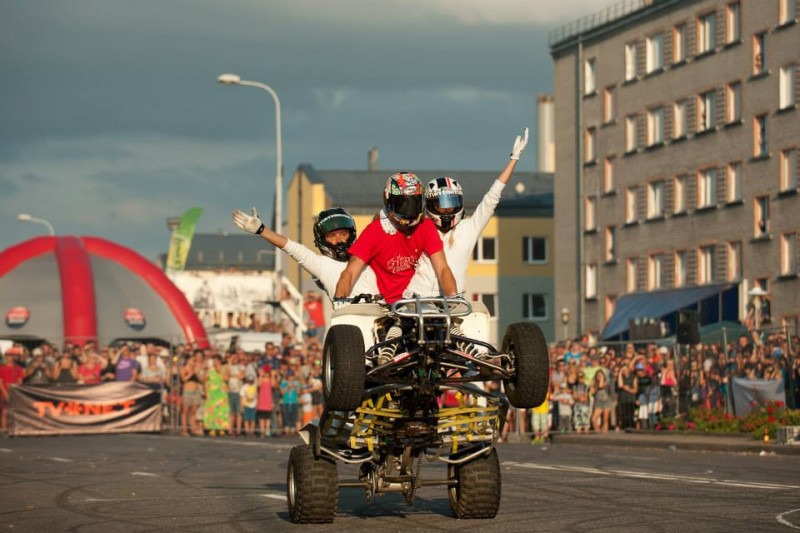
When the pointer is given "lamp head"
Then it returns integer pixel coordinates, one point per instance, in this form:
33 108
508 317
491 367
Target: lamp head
24 217
564 315
229 79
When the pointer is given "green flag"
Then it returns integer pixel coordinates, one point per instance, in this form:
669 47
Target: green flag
181 240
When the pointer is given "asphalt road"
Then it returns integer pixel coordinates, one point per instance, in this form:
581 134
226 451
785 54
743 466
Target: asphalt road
155 483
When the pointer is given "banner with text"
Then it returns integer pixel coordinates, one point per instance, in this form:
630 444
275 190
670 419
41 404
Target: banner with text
120 407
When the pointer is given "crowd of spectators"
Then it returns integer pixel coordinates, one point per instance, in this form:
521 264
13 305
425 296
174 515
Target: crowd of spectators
276 390
616 387
206 391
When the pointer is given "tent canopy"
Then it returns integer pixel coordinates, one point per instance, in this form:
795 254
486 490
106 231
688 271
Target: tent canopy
657 304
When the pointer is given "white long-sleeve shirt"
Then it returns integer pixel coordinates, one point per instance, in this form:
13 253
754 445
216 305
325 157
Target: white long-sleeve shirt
328 270
458 245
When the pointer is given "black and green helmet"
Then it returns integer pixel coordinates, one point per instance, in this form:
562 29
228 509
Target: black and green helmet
331 220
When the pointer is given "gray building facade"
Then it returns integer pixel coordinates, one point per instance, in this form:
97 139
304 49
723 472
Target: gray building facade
677 134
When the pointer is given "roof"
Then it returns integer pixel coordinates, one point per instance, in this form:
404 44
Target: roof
359 191
214 251
656 304
617 16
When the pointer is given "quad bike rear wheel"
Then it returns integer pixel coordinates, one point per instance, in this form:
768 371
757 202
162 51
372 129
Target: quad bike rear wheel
525 343
312 487
344 369
476 491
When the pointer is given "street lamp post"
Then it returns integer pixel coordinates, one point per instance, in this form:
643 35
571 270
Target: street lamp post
25 217
565 320
233 79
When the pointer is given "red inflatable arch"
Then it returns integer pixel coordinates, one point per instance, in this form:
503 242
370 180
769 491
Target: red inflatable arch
88 286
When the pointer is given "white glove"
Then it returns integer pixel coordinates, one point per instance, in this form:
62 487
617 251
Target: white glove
519 144
250 224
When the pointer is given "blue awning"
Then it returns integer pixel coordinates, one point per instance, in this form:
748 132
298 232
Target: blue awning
656 305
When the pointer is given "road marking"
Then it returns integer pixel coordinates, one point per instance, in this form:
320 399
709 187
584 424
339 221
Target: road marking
146 474
659 476
785 522
60 459
221 440
207 497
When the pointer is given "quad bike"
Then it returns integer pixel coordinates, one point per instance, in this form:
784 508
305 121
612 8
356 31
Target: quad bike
388 418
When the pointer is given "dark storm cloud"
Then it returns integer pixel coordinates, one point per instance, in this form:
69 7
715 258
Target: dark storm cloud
7 187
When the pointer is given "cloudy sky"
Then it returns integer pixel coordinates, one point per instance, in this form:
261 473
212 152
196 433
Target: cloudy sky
111 119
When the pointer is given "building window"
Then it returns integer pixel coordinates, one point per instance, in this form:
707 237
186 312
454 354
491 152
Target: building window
679 194
590 76
735 261
630 61
611 306
608 174
679 120
655 274
761 215
534 306
760 53
707 188
609 104
655 126
631 274
590 222
760 140
705 33
733 102
734 182
681 268
787 87
789 169
485 250
630 205
489 300
706 111
611 244
631 134
732 22
591 281
655 199
534 250
589 145
786 11
679 43
655 53
789 254
707 268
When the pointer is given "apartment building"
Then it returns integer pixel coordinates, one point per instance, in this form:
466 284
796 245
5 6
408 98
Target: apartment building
676 161
512 266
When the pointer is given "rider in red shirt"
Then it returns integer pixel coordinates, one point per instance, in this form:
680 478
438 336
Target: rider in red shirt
392 244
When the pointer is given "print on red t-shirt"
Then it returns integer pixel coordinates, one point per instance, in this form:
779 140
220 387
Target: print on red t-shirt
394 257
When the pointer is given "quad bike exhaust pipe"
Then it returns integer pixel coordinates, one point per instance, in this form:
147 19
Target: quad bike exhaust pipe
397 487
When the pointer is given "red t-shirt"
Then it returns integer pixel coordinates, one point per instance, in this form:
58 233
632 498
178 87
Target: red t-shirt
393 258
11 374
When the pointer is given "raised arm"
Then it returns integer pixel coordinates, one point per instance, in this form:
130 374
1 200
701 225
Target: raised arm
252 224
486 208
443 273
349 276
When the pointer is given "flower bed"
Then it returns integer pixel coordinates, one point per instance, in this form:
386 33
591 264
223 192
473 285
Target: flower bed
764 417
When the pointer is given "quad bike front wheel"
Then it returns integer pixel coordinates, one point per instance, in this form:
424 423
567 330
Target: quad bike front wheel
312 487
525 343
476 491
344 368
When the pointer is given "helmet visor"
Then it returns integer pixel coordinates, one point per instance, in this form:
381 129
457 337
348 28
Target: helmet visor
405 207
445 204
334 221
